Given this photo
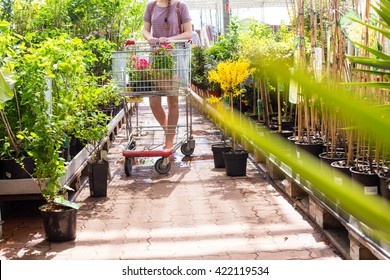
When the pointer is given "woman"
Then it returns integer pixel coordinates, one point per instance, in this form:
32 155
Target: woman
161 24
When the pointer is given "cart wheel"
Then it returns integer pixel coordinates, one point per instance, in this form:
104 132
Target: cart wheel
186 150
160 168
128 166
132 145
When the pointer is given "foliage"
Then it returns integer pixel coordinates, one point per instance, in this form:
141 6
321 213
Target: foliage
227 47
6 10
211 65
109 95
112 20
61 81
57 96
102 49
263 51
198 70
372 82
13 122
43 133
379 62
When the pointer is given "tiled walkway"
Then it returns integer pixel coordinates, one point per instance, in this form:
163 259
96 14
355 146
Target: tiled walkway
193 212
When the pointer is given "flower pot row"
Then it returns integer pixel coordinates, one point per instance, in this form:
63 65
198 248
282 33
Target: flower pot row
374 182
234 162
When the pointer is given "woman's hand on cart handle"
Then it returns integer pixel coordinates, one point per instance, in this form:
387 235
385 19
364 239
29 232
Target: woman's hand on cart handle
180 41
153 41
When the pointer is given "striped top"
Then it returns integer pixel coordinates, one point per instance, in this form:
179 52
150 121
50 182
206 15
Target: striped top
157 19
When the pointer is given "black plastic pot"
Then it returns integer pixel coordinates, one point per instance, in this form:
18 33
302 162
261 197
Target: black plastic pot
369 180
284 133
98 174
384 184
313 148
328 157
60 224
13 170
235 163
75 146
341 166
2 170
217 150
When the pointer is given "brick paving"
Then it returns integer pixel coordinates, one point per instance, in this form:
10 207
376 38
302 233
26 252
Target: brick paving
193 212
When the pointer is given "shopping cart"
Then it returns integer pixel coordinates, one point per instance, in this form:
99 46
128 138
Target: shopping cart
142 71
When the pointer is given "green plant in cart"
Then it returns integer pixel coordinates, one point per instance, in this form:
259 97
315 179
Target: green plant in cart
162 61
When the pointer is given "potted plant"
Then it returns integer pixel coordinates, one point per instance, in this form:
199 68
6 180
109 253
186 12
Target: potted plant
59 215
162 63
230 75
198 71
14 113
213 88
91 132
371 82
14 161
139 74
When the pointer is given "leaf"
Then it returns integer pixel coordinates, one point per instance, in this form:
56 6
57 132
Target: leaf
62 201
369 84
68 188
375 52
373 72
385 32
371 62
5 90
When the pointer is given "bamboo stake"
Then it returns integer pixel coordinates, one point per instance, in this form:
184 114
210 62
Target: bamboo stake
279 108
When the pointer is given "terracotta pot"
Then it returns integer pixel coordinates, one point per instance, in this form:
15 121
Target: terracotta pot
216 93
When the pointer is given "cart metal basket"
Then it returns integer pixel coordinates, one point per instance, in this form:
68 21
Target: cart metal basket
142 71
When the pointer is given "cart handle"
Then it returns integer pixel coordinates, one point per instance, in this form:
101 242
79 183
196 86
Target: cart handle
129 42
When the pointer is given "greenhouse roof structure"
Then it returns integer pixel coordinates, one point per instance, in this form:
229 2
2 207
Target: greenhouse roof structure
210 4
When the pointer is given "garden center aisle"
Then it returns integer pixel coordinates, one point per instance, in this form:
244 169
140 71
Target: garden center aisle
193 212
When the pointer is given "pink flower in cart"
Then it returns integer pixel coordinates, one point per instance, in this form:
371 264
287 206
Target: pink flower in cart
142 64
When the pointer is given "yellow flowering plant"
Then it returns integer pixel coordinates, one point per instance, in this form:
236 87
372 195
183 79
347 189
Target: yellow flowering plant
230 75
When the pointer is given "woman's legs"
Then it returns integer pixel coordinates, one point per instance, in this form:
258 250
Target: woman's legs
169 122
158 110
173 117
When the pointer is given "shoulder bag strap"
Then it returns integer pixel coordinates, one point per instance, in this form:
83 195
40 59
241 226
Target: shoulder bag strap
154 5
179 17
